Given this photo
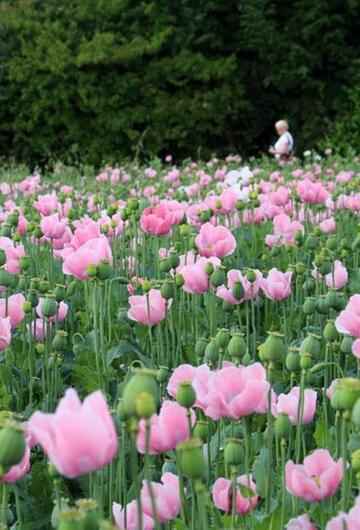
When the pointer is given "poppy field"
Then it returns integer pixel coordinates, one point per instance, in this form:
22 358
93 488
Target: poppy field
180 346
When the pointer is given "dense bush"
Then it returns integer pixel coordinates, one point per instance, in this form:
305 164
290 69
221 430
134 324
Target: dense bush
102 79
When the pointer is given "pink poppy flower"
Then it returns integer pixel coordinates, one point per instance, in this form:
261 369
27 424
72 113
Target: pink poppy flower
93 252
221 494
61 311
348 521
236 392
147 309
199 376
157 220
52 227
5 333
284 231
16 472
251 289
300 523
289 404
349 319
338 278
195 276
277 286
15 309
215 241
328 226
169 428
79 437
315 480
132 517
166 496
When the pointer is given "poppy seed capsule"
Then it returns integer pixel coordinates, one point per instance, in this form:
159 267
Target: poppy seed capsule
2 257
12 445
309 306
346 394
222 338
233 452
201 430
49 307
6 279
165 265
283 426
162 374
355 416
186 395
104 270
218 277
91 270
209 268
179 280
167 290
237 345
251 275
200 347
212 353
331 299
330 332
145 405
305 361
143 380
174 260
346 344
311 344
191 459
274 347
292 361
238 290
355 460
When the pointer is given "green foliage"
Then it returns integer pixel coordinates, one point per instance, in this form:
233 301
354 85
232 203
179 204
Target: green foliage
100 80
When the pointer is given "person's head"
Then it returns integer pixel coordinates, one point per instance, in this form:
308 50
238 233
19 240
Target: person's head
281 127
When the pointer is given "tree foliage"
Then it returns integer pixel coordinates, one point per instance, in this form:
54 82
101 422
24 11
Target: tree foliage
101 79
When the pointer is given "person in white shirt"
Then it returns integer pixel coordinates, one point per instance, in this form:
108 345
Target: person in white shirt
283 148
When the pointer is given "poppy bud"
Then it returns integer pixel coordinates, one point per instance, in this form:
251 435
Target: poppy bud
251 275
292 361
165 265
27 307
59 293
309 285
212 353
24 263
311 344
201 430
59 342
5 230
146 286
174 260
179 280
186 395
331 299
321 306
162 374
309 306
43 286
167 290
209 268
346 344
355 416
355 460
305 360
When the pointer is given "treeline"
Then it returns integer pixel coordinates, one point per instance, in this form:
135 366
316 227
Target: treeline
97 80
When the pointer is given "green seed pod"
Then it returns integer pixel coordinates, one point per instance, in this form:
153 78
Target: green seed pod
50 307
331 299
325 268
330 332
191 459
184 230
91 270
59 293
6 279
341 302
321 306
24 263
132 203
311 243
274 347
292 361
169 466
332 243
251 275
355 460
305 361
233 452
222 338
146 286
212 353
89 508
311 344
71 519
237 345
186 395
2 257
5 230
283 426
346 393
167 290
356 413
120 412
218 277
162 374
27 307
59 342
309 285
104 270
346 344
309 306
179 280
200 347
209 268
143 380
32 297
145 405
165 265
238 290
299 268
174 260
12 445
299 238
201 430
43 286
